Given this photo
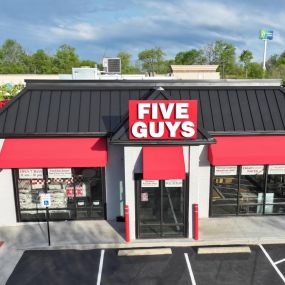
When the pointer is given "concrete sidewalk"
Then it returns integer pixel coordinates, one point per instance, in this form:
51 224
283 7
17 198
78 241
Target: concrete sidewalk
213 231
104 234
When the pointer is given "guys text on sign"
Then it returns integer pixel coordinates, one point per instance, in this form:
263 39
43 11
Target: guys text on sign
169 119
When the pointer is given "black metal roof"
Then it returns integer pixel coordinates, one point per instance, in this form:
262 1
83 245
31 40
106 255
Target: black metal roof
88 108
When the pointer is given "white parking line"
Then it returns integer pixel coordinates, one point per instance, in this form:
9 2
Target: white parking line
190 269
272 263
279 261
100 267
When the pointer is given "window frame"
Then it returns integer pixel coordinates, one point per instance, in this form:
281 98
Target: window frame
15 175
265 191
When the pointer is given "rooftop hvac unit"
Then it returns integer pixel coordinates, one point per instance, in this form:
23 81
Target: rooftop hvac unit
112 65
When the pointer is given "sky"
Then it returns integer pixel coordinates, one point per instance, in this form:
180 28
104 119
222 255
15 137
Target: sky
98 28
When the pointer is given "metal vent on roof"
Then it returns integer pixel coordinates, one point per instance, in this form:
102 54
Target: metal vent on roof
112 65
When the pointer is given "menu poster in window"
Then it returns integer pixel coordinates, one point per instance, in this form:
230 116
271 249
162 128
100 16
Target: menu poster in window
149 183
252 170
276 169
34 173
173 183
225 170
59 173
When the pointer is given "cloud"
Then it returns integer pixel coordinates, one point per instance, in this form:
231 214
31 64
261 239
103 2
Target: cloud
100 27
79 31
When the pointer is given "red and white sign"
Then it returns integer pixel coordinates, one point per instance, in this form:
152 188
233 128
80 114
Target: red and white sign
252 170
167 120
80 190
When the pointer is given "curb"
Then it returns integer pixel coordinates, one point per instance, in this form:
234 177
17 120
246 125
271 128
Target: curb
135 244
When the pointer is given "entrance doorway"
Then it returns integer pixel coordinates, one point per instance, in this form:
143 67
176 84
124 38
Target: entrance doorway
161 208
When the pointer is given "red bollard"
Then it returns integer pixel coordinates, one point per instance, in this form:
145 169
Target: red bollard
127 223
196 222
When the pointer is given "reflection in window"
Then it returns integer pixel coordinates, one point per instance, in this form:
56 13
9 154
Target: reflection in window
275 194
224 191
251 190
30 192
74 193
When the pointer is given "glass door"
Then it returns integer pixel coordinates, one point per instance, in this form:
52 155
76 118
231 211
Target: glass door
88 194
161 210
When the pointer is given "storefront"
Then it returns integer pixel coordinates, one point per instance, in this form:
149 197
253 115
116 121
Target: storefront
158 147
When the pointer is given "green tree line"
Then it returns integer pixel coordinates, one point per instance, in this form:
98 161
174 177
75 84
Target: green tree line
15 60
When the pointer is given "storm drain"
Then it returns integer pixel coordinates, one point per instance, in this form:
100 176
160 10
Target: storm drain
225 249
144 251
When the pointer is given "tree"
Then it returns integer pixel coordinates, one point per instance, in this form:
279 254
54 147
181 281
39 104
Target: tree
8 91
12 57
127 67
40 63
88 62
271 62
246 57
151 60
255 70
192 56
223 54
65 58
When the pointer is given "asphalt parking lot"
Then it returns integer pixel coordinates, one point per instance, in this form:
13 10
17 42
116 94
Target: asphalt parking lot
264 265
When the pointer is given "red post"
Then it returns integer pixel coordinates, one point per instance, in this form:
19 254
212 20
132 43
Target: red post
196 222
127 223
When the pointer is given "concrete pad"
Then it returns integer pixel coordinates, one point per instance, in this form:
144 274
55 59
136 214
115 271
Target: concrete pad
142 252
227 249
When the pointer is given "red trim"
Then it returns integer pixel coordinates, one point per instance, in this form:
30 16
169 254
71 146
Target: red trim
163 162
247 150
53 152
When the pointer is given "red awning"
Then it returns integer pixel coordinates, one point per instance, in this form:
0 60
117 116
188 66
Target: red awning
163 163
247 150
53 152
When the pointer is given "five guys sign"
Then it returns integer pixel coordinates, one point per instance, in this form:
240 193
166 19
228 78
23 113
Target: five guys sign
167 119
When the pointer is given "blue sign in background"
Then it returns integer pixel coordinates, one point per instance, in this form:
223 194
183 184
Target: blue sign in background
270 35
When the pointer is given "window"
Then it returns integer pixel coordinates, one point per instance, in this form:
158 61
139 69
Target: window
248 190
251 190
31 186
275 194
225 190
75 193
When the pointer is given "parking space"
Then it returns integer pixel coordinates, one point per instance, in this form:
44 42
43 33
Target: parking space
184 266
234 269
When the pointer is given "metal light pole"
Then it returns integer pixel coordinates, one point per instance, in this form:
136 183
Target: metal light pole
264 55
265 35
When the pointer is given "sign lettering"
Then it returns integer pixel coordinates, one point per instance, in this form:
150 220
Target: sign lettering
168 119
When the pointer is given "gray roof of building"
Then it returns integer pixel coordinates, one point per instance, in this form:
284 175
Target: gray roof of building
88 108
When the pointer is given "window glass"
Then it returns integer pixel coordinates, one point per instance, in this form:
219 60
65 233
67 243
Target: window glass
59 180
251 192
88 192
31 186
275 194
224 191
74 193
